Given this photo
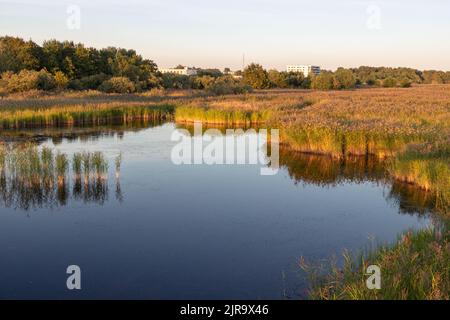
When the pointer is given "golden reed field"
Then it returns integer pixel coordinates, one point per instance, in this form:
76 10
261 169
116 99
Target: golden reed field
408 126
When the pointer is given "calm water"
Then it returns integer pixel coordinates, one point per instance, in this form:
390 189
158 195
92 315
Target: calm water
194 232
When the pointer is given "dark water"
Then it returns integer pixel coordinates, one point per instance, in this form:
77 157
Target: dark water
195 232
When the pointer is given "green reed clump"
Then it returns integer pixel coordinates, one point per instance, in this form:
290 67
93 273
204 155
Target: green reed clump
31 177
118 163
417 267
99 165
87 164
77 163
81 115
62 165
427 166
219 116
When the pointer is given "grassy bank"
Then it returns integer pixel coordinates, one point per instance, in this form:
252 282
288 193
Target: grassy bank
378 122
81 115
220 116
417 267
427 166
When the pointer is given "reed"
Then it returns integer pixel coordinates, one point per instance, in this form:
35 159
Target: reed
118 164
81 115
416 267
62 165
219 116
99 165
33 177
77 163
428 167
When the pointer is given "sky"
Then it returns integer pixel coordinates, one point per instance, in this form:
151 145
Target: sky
274 33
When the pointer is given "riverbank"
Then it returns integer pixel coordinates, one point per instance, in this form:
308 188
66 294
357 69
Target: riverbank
384 123
414 268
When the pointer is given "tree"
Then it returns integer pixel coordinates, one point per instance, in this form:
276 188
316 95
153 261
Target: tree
256 77
324 81
344 79
277 79
16 55
61 80
389 83
118 85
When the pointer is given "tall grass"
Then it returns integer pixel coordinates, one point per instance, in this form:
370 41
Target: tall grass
219 116
428 167
415 268
81 115
33 177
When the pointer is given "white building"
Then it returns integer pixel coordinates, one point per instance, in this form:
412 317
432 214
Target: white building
306 70
184 71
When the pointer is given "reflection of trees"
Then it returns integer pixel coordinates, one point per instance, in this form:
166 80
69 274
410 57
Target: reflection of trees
327 171
411 199
32 178
324 170
87 133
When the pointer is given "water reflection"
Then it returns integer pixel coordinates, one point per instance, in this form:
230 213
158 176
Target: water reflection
32 178
47 188
81 134
329 172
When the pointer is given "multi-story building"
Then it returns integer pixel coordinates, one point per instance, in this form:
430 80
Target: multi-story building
306 70
182 71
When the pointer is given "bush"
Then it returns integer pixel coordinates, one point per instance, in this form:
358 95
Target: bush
88 83
118 85
27 80
227 85
61 80
256 77
405 83
176 81
344 79
389 83
324 81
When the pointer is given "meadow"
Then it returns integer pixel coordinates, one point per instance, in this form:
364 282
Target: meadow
385 123
406 128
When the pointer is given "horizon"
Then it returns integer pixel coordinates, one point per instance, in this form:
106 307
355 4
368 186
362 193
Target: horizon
363 33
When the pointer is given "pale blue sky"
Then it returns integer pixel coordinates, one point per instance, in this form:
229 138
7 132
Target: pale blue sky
211 33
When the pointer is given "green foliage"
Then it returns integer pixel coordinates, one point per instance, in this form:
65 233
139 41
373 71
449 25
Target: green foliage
344 79
176 81
16 55
324 81
89 82
389 83
415 268
61 80
256 77
227 85
215 73
118 85
27 80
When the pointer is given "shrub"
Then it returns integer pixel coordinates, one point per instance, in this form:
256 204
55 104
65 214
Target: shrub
27 80
344 79
92 82
176 81
256 77
324 81
389 83
61 80
118 85
405 83
227 85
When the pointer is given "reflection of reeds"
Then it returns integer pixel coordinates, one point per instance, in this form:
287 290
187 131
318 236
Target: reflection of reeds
118 163
99 165
62 164
30 177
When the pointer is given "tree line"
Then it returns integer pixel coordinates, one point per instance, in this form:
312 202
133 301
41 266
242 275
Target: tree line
25 65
